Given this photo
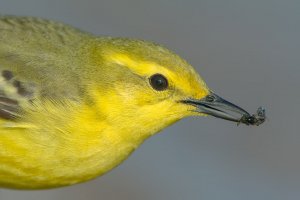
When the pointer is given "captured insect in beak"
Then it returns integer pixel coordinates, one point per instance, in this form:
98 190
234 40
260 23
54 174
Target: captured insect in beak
255 119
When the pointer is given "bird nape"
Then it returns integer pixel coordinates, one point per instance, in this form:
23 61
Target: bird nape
73 105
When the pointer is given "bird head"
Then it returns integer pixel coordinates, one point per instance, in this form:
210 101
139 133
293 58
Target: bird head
145 86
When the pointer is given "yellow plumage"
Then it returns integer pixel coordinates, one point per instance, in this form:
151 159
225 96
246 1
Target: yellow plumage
73 106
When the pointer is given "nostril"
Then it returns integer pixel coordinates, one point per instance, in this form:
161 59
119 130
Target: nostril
210 98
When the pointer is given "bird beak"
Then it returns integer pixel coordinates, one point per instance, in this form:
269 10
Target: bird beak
214 105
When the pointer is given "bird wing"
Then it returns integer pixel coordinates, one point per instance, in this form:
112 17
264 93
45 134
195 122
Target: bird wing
36 64
13 94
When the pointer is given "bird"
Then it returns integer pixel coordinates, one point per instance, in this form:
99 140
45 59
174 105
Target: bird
74 105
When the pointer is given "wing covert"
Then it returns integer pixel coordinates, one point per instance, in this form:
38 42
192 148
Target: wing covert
13 94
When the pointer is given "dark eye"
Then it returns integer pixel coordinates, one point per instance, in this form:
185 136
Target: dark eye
158 82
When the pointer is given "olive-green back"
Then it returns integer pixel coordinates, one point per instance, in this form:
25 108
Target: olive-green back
37 59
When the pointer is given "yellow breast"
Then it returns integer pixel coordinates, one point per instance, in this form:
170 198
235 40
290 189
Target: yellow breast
65 145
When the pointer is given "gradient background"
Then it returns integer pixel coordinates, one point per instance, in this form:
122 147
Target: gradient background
248 52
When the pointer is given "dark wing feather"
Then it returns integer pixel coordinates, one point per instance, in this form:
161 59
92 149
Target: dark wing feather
13 93
8 108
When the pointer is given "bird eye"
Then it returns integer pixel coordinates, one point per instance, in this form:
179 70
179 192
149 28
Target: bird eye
158 82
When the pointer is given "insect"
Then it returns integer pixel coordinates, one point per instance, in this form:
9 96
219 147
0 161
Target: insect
256 119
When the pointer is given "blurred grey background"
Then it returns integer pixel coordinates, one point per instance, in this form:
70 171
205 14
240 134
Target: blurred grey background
248 52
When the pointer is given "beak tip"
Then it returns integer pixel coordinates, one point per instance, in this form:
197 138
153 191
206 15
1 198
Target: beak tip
256 119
